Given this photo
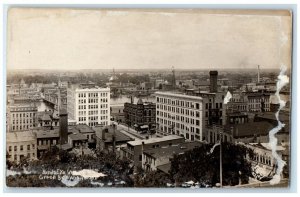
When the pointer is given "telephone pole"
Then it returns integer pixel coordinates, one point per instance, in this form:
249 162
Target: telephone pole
221 169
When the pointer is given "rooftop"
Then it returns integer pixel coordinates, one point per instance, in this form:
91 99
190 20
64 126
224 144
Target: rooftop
21 136
164 168
154 140
250 129
266 146
47 134
83 128
169 151
178 95
120 137
283 116
77 136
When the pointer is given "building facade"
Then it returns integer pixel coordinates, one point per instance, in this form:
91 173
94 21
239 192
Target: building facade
89 104
140 115
22 117
21 145
178 114
134 149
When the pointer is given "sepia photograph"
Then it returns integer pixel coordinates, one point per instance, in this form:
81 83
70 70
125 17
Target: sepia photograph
148 98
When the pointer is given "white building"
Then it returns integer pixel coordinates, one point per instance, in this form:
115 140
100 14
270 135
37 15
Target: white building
21 117
89 104
179 114
21 145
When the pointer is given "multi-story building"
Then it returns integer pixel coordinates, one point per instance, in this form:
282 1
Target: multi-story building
22 117
258 101
140 115
117 113
21 145
179 114
263 162
134 149
89 104
154 158
214 111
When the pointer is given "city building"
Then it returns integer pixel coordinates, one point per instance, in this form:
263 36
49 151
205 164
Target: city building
21 145
47 119
263 162
86 131
109 138
258 101
117 113
155 157
22 117
46 138
214 111
134 149
179 114
89 104
215 132
141 115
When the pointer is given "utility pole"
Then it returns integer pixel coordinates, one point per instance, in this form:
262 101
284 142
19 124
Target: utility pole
221 169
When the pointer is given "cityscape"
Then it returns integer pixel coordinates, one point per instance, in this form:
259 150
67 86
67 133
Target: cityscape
132 99
135 129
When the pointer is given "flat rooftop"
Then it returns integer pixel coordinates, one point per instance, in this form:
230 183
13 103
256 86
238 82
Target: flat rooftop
154 140
169 151
20 136
178 95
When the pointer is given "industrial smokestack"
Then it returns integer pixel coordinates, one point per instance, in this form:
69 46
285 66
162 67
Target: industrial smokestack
114 138
258 74
213 81
63 126
105 130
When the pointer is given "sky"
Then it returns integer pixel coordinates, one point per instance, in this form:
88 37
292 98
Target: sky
136 39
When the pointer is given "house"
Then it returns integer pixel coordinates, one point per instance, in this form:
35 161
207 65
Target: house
107 137
155 157
134 149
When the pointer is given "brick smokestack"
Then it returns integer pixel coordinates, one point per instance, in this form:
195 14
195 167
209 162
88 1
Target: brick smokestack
213 81
63 126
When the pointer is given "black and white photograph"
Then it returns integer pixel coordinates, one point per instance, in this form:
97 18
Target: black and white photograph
148 98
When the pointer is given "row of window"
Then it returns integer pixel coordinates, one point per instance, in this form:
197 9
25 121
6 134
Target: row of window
22 156
258 100
178 117
21 147
84 95
178 110
30 121
21 127
210 105
47 142
20 115
187 104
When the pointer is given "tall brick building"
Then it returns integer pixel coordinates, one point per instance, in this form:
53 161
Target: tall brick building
141 115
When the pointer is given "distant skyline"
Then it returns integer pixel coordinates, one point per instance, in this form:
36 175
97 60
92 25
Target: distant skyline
147 39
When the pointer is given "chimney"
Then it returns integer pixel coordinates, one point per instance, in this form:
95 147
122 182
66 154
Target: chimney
213 81
63 126
131 99
258 74
105 130
114 138
143 144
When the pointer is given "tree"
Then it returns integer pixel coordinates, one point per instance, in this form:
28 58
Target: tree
199 165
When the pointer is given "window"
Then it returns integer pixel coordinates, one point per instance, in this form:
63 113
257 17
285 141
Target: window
28 147
15 148
9 148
